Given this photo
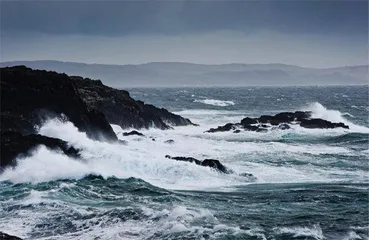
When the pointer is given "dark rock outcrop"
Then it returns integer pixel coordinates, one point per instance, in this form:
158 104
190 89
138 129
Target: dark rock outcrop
280 121
4 236
15 144
134 132
120 109
225 128
213 163
29 97
320 123
169 141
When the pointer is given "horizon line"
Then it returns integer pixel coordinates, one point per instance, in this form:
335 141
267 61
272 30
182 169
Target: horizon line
203 64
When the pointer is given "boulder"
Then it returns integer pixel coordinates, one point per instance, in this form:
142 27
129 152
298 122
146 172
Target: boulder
29 97
170 141
15 144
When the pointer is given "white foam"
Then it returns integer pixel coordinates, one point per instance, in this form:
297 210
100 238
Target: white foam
319 111
315 231
145 159
215 102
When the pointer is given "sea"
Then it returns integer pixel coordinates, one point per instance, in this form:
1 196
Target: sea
309 184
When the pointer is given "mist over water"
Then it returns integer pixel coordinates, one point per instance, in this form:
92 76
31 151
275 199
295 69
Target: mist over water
310 183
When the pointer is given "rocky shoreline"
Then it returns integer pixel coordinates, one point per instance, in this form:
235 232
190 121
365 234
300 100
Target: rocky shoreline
280 121
31 97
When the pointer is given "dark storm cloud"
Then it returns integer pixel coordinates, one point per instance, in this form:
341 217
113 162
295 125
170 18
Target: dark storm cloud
122 18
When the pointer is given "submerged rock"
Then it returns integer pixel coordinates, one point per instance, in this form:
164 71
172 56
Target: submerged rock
120 109
14 144
280 121
29 97
4 236
134 132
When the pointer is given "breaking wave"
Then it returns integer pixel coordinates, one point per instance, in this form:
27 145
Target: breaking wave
214 102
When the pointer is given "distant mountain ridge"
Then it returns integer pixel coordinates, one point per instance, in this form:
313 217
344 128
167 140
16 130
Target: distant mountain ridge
176 74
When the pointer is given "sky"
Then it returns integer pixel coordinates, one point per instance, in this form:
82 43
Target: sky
308 33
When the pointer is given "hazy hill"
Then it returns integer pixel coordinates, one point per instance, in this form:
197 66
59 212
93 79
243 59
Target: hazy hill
172 74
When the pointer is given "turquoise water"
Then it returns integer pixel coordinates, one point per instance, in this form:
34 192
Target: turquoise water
310 184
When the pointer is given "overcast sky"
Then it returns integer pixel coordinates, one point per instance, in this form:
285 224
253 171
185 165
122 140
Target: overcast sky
311 33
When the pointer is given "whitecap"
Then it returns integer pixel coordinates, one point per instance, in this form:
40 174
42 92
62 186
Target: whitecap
215 102
315 231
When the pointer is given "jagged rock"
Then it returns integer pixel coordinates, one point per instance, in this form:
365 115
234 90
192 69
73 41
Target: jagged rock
213 163
185 159
120 109
170 141
14 144
4 236
280 121
225 128
134 132
29 97
248 121
320 123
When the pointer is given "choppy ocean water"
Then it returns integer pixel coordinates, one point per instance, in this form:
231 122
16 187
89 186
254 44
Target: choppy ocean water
311 184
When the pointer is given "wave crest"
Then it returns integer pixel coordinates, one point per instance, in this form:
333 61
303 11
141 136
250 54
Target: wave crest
215 102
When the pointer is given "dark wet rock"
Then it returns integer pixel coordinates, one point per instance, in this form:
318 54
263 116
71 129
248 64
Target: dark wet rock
225 128
29 97
280 121
170 141
321 123
153 139
15 144
4 236
120 109
185 159
213 163
134 132
250 127
248 121
237 131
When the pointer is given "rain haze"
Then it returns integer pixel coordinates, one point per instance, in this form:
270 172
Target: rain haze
309 34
